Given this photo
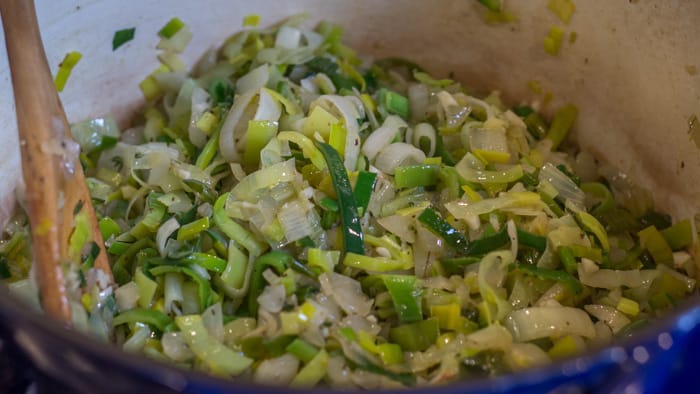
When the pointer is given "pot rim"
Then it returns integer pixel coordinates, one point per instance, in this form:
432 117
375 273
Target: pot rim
682 320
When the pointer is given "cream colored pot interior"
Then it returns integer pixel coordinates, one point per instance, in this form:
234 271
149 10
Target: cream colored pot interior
631 71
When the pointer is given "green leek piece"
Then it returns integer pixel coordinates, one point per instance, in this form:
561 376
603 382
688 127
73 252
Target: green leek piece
119 268
307 147
591 224
492 5
207 122
152 317
312 372
390 353
488 177
217 357
563 9
257 347
122 36
449 315
416 337
444 230
209 151
536 125
278 261
338 138
149 86
319 121
234 274
147 288
234 230
287 101
442 152
394 103
328 219
601 192
324 260
363 189
406 296
552 41
579 251
559 276
523 110
260 132
155 212
81 235
534 241
375 264
449 182
89 260
278 346
652 240
65 68
628 306
552 204
193 229
563 120
328 204
203 190
302 268
679 236
221 92
564 347
171 28
206 261
352 229
488 244
566 256
118 248
455 266
427 79
302 350
416 175
251 20
204 291
108 227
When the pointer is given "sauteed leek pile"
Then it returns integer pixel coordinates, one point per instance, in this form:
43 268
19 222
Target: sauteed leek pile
290 213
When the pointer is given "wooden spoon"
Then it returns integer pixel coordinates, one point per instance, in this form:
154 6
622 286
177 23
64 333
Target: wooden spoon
55 183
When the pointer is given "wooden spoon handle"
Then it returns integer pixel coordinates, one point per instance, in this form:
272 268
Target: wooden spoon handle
52 172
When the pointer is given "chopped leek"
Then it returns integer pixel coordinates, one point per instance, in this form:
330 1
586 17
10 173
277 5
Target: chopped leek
171 28
567 279
394 103
121 37
405 295
416 336
156 319
296 213
563 9
444 230
352 231
218 357
563 120
65 69
552 41
651 239
363 189
417 175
